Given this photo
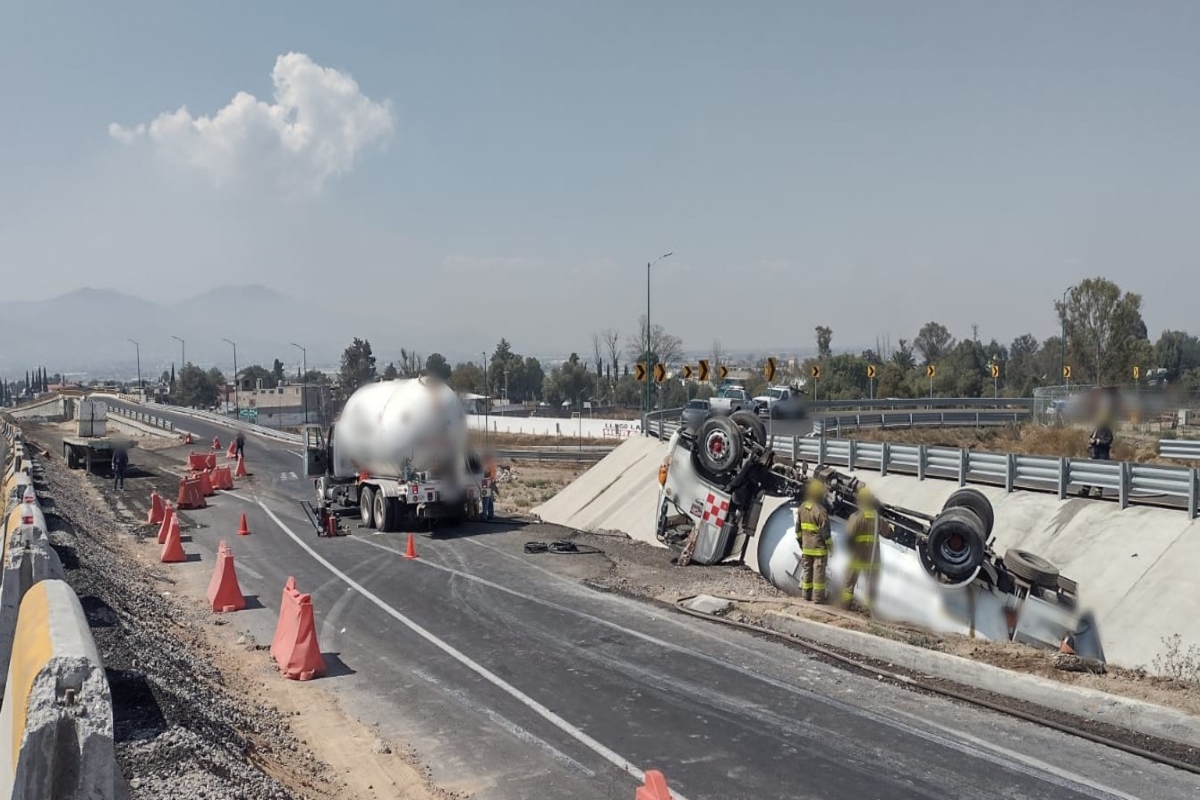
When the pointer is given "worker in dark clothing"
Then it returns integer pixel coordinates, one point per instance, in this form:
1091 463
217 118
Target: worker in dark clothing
240 444
120 462
862 532
1100 449
812 529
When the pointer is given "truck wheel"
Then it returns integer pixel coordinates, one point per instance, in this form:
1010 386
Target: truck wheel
385 513
1031 567
751 426
366 507
956 544
977 502
718 448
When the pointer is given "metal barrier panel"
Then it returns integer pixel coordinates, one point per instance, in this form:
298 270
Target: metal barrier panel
1188 449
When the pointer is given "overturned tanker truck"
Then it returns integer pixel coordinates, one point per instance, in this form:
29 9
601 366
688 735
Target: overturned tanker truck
937 571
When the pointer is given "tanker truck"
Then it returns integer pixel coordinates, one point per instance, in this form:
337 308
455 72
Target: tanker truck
398 453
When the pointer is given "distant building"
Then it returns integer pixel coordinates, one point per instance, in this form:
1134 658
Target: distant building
283 406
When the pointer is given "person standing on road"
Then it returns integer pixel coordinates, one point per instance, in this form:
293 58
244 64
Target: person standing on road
120 462
812 529
1100 449
489 489
863 530
239 444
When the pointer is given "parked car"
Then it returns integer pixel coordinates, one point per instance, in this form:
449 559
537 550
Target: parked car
694 413
731 399
780 402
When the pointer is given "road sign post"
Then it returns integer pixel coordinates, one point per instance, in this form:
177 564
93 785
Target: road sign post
703 365
930 372
769 370
871 380
815 372
995 369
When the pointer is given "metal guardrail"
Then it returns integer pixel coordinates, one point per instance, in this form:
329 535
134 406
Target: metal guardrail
835 424
923 402
143 417
1184 449
221 419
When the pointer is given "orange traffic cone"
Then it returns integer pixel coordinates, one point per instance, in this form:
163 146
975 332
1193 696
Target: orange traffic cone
164 529
240 472
244 530
653 788
172 552
224 594
231 453
411 550
155 517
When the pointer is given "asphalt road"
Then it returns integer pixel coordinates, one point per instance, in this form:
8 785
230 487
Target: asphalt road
512 680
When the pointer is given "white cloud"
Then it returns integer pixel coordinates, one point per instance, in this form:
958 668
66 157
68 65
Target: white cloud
318 125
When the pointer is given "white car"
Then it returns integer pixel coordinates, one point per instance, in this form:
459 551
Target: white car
780 402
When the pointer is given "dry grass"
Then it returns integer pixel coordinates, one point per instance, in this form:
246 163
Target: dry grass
526 484
505 440
1025 439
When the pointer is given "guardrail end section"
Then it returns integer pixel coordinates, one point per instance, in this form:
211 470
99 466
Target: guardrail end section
56 724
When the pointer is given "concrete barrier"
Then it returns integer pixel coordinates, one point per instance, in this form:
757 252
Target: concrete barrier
56 724
26 558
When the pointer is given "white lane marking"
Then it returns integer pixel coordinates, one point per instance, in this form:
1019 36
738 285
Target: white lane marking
504 722
237 496
578 734
1026 766
288 476
296 453
240 566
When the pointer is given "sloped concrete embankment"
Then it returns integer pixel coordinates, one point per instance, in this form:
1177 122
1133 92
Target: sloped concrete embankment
1136 568
56 714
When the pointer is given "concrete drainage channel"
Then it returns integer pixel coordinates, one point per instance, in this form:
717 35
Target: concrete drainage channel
56 716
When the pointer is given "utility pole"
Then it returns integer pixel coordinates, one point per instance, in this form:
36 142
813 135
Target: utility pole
141 389
237 403
649 366
304 381
486 402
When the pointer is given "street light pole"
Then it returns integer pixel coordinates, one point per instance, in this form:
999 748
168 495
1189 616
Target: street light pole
237 403
182 351
304 379
486 404
141 389
649 368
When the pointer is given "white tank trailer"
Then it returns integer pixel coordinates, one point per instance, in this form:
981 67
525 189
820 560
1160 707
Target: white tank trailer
399 453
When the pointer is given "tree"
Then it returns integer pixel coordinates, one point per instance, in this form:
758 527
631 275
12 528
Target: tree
389 372
1177 352
824 342
172 384
315 376
571 382
1105 330
665 348
410 364
466 378
251 375
358 366
902 357
277 372
437 366
197 388
933 341
598 353
718 356
612 347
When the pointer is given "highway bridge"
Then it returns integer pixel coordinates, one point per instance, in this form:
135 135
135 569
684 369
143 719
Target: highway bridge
511 678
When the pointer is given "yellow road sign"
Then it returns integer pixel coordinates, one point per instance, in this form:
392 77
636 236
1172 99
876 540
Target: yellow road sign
1067 372
1137 373
815 370
660 373
639 372
723 371
703 370
871 371
769 370
930 370
995 370
687 372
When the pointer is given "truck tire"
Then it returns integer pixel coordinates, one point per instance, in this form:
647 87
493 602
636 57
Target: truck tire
956 545
366 507
751 426
977 502
385 513
718 450
1031 567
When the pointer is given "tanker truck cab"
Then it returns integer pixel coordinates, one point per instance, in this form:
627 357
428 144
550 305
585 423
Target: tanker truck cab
398 454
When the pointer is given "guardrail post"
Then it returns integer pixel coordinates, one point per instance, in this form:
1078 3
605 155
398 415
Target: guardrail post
821 452
853 454
1064 477
963 465
795 448
884 456
911 419
1010 472
1194 494
922 456
660 426
978 420
1126 475
942 419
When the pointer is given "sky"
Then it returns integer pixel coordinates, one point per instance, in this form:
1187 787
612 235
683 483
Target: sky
509 169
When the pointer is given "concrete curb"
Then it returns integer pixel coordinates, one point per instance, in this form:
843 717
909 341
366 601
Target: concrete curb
1135 715
28 559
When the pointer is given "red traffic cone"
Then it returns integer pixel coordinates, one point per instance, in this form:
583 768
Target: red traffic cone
411 550
240 472
155 517
231 453
172 551
165 527
244 530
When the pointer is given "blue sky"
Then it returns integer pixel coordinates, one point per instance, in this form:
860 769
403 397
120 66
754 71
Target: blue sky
868 166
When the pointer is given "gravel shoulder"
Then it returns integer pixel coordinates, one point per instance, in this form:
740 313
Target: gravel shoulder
199 709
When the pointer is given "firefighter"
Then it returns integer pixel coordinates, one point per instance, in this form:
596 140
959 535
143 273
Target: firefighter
862 530
812 529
